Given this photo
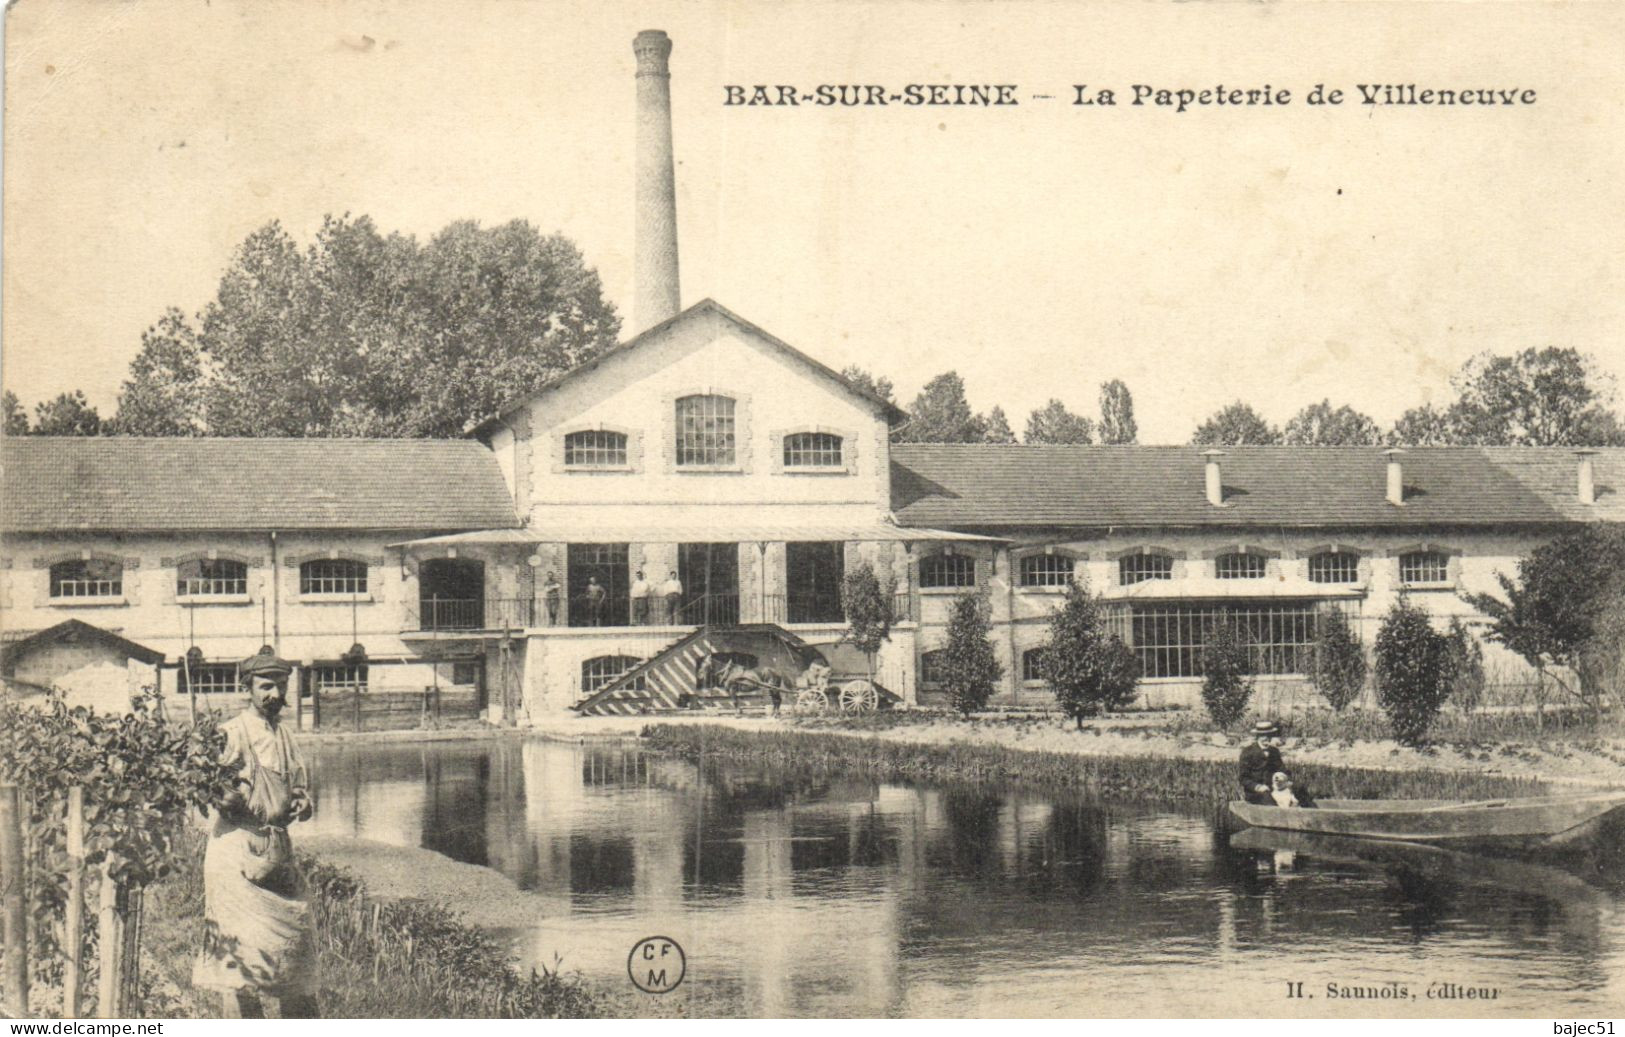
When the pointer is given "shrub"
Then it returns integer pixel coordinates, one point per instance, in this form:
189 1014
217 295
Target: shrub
1227 682
1414 671
971 667
1339 661
1466 667
1089 668
868 611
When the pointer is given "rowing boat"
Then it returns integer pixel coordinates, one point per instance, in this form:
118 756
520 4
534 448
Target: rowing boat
1527 820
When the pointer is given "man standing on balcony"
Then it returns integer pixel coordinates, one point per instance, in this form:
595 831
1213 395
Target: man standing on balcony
671 592
595 595
550 598
640 601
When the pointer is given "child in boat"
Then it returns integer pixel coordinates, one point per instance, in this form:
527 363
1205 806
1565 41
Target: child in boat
1284 795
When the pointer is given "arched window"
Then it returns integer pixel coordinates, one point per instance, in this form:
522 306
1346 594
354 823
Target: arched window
1239 565
595 448
87 578
1052 570
203 577
934 667
1032 665
1137 568
705 431
945 570
1424 567
1334 567
333 576
812 450
603 670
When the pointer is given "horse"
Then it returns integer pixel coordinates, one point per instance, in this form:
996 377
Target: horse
720 671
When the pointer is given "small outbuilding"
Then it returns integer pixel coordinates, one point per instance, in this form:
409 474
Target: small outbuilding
92 667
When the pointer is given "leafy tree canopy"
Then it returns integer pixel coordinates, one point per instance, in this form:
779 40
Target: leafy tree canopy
1319 424
881 387
366 334
996 427
942 414
1236 425
16 417
1117 414
70 414
972 667
1088 667
1053 423
1537 397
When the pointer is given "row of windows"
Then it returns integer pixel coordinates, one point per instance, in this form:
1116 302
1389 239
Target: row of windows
705 438
204 578
959 571
221 679
1168 640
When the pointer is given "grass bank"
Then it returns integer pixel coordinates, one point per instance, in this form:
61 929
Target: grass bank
957 758
375 958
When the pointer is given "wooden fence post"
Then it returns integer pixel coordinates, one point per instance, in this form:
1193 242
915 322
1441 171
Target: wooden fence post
110 940
74 928
15 899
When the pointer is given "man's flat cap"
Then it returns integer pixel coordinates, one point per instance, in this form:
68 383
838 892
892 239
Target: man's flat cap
264 663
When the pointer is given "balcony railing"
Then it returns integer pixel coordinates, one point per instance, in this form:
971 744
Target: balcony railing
437 613
808 608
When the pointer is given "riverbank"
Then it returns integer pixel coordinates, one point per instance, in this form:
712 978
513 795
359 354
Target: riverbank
1567 759
376 956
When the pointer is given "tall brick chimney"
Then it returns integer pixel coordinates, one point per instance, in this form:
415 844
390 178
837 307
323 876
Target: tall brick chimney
655 291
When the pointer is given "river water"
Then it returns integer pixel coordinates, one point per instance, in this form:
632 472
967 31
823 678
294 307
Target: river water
795 896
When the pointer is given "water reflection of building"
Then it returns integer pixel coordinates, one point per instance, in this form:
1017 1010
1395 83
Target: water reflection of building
812 895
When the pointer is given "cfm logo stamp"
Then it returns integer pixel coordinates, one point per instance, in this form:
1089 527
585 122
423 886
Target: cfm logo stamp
656 965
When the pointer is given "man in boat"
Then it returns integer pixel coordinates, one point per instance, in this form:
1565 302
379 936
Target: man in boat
255 918
1260 760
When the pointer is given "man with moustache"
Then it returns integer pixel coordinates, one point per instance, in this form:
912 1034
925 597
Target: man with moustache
256 920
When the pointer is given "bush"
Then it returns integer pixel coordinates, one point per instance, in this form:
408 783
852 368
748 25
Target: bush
971 665
868 611
1227 682
1466 667
1090 669
1339 661
1415 671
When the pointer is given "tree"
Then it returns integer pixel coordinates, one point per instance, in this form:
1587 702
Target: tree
165 393
880 387
971 668
1339 673
70 414
1053 423
16 417
996 427
1466 666
941 414
363 333
1414 671
1546 397
868 611
1117 413
1236 425
1089 669
1422 426
1320 425
1551 614
1227 682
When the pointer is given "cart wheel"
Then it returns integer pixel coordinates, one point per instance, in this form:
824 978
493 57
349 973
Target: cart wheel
811 700
859 696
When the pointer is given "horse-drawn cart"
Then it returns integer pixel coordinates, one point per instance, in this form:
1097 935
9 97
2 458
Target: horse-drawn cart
842 682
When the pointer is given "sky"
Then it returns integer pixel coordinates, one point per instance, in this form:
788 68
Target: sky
1278 255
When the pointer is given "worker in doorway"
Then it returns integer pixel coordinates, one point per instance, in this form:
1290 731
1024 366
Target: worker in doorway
595 596
551 594
671 594
640 600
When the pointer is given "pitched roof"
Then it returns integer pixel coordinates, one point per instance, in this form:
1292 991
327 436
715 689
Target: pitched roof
996 486
127 484
75 631
894 414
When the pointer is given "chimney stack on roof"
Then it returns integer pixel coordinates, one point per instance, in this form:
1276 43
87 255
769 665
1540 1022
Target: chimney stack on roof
1396 476
1586 491
1215 483
655 291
